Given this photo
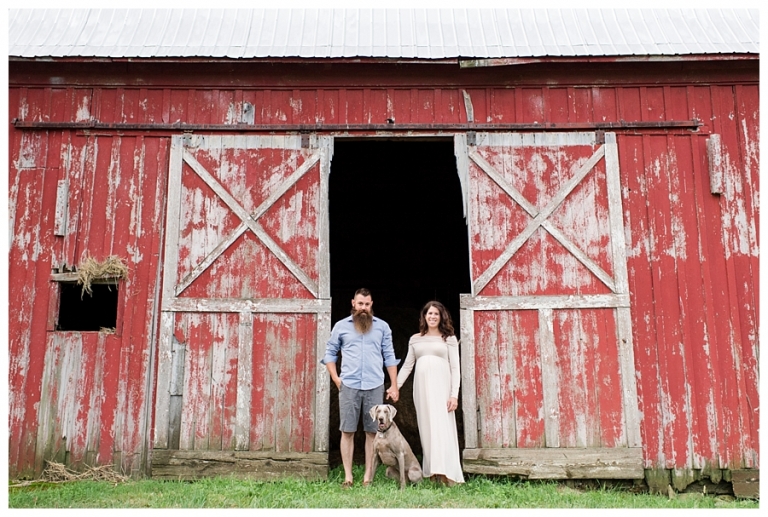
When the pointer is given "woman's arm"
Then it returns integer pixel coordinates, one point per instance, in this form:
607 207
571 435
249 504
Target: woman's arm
405 371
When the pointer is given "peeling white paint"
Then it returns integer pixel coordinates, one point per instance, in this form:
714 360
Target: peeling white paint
29 151
83 112
739 232
232 116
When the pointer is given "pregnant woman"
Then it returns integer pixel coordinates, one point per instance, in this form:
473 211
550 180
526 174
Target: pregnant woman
435 353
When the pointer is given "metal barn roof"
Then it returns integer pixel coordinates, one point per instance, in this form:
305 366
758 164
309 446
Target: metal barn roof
381 33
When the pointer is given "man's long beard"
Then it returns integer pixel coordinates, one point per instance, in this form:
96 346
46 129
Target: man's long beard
363 320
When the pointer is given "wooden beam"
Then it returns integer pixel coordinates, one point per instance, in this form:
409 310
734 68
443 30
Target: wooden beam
746 483
569 301
557 463
259 465
280 305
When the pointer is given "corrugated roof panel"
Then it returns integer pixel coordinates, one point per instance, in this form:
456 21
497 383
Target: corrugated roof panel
614 34
552 31
744 28
532 34
433 21
748 19
395 33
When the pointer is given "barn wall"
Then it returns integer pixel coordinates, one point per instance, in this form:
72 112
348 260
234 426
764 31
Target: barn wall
692 254
82 397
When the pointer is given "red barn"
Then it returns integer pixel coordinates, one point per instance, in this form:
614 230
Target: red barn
580 187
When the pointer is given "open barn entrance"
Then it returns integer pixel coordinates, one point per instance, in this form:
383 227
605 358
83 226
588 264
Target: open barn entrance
397 227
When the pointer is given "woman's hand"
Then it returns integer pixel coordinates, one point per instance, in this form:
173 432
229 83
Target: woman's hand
453 403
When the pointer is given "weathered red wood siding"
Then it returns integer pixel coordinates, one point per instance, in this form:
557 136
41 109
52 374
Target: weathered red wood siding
78 396
692 255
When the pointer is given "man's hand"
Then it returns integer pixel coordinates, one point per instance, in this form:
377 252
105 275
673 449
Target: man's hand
337 382
453 403
393 393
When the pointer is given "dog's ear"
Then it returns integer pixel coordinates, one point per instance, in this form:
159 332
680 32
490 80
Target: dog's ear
372 412
392 411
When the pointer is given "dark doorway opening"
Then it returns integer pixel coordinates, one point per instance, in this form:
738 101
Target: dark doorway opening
397 227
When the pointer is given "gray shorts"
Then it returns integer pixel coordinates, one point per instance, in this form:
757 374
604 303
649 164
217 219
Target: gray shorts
351 401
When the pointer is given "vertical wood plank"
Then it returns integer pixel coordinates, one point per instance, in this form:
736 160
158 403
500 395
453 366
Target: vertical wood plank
170 266
323 222
244 382
322 384
624 320
549 378
164 379
507 328
469 388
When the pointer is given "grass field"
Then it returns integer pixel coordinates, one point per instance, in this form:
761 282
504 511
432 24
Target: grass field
477 492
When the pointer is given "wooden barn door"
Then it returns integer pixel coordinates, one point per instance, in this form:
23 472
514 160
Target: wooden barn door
547 360
245 309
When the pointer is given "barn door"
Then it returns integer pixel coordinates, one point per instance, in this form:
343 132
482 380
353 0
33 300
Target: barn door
548 369
245 308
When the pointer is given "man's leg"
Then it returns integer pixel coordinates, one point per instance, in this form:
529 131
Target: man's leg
347 452
368 456
371 398
349 416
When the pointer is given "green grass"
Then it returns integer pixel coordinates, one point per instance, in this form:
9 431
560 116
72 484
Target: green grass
477 492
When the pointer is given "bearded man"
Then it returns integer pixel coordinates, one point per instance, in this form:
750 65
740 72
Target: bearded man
365 343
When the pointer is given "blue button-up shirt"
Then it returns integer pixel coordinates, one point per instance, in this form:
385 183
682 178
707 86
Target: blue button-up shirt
363 354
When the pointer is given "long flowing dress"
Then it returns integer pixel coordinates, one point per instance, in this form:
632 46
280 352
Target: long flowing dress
435 380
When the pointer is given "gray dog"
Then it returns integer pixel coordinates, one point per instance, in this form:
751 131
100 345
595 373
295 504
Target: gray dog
391 447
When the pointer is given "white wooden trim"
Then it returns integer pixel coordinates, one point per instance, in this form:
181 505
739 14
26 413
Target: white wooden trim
171 264
323 219
468 386
523 236
322 383
209 259
277 305
628 381
244 381
549 378
539 139
164 372
287 261
565 301
288 141
547 225
616 214
462 168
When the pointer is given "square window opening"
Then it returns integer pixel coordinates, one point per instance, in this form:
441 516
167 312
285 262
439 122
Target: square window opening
83 311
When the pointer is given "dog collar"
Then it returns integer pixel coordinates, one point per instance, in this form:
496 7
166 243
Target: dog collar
387 429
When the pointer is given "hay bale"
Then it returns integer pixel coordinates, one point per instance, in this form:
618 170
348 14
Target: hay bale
90 270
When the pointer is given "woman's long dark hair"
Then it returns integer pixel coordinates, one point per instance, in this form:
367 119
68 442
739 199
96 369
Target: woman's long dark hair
446 324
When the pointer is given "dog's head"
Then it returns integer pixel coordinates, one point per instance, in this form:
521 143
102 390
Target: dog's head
383 414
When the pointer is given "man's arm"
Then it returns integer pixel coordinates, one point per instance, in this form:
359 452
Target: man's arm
390 362
331 355
331 367
393 393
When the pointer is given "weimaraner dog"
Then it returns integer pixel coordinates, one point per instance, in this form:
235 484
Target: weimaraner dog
391 447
